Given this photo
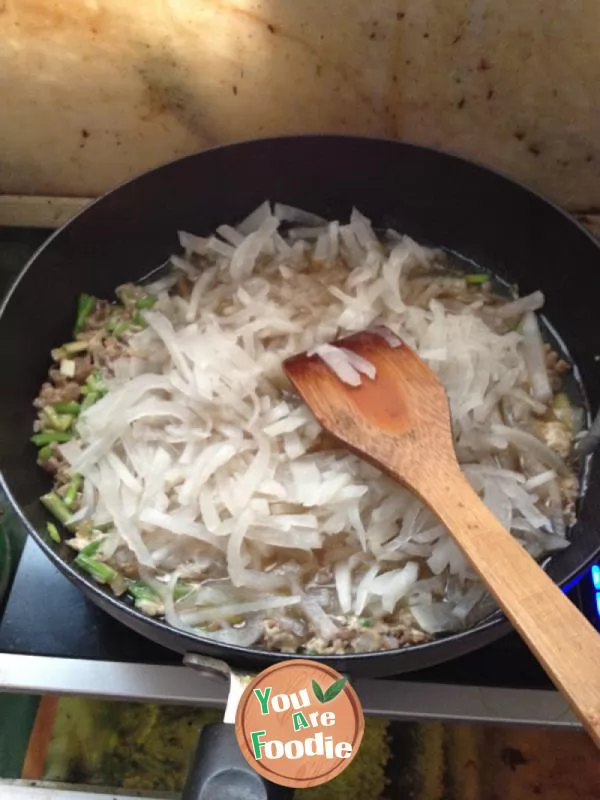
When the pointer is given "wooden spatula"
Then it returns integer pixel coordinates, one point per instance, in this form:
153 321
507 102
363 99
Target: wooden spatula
400 421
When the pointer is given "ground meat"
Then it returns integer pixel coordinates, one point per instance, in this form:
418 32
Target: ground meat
83 368
569 488
51 465
50 394
106 350
192 572
323 577
361 636
275 638
555 363
320 647
129 570
556 436
557 367
184 286
97 318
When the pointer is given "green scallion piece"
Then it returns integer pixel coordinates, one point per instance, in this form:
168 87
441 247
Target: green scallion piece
53 532
99 571
477 278
85 307
90 399
121 328
141 591
60 422
145 302
45 452
52 416
92 548
56 507
139 320
67 408
71 493
58 354
95 382
78 346
40 439
181 590
108 526
126 294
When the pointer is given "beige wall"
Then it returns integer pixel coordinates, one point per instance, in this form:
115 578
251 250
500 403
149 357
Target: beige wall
93 91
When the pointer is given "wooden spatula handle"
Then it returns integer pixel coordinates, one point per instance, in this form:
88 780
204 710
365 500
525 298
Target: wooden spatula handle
565 643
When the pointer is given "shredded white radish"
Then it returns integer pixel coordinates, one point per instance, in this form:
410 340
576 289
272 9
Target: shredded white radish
535 358
212 472
531 302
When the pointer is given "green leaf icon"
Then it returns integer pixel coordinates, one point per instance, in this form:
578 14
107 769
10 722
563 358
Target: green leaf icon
318 692
334 690
331 693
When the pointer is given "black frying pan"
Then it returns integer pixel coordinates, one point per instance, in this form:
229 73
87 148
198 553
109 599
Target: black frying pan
436 198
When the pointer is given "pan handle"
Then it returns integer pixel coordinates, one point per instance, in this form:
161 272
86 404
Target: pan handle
219 771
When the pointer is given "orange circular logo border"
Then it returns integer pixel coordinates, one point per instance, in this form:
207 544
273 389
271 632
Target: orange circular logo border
286 777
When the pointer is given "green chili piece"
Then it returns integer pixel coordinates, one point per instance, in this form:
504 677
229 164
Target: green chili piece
53 532
67 408
85 307
40 439
56 507
100 571
477 278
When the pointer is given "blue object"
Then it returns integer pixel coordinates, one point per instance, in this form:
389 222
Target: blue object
572 584
595 573
588 593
